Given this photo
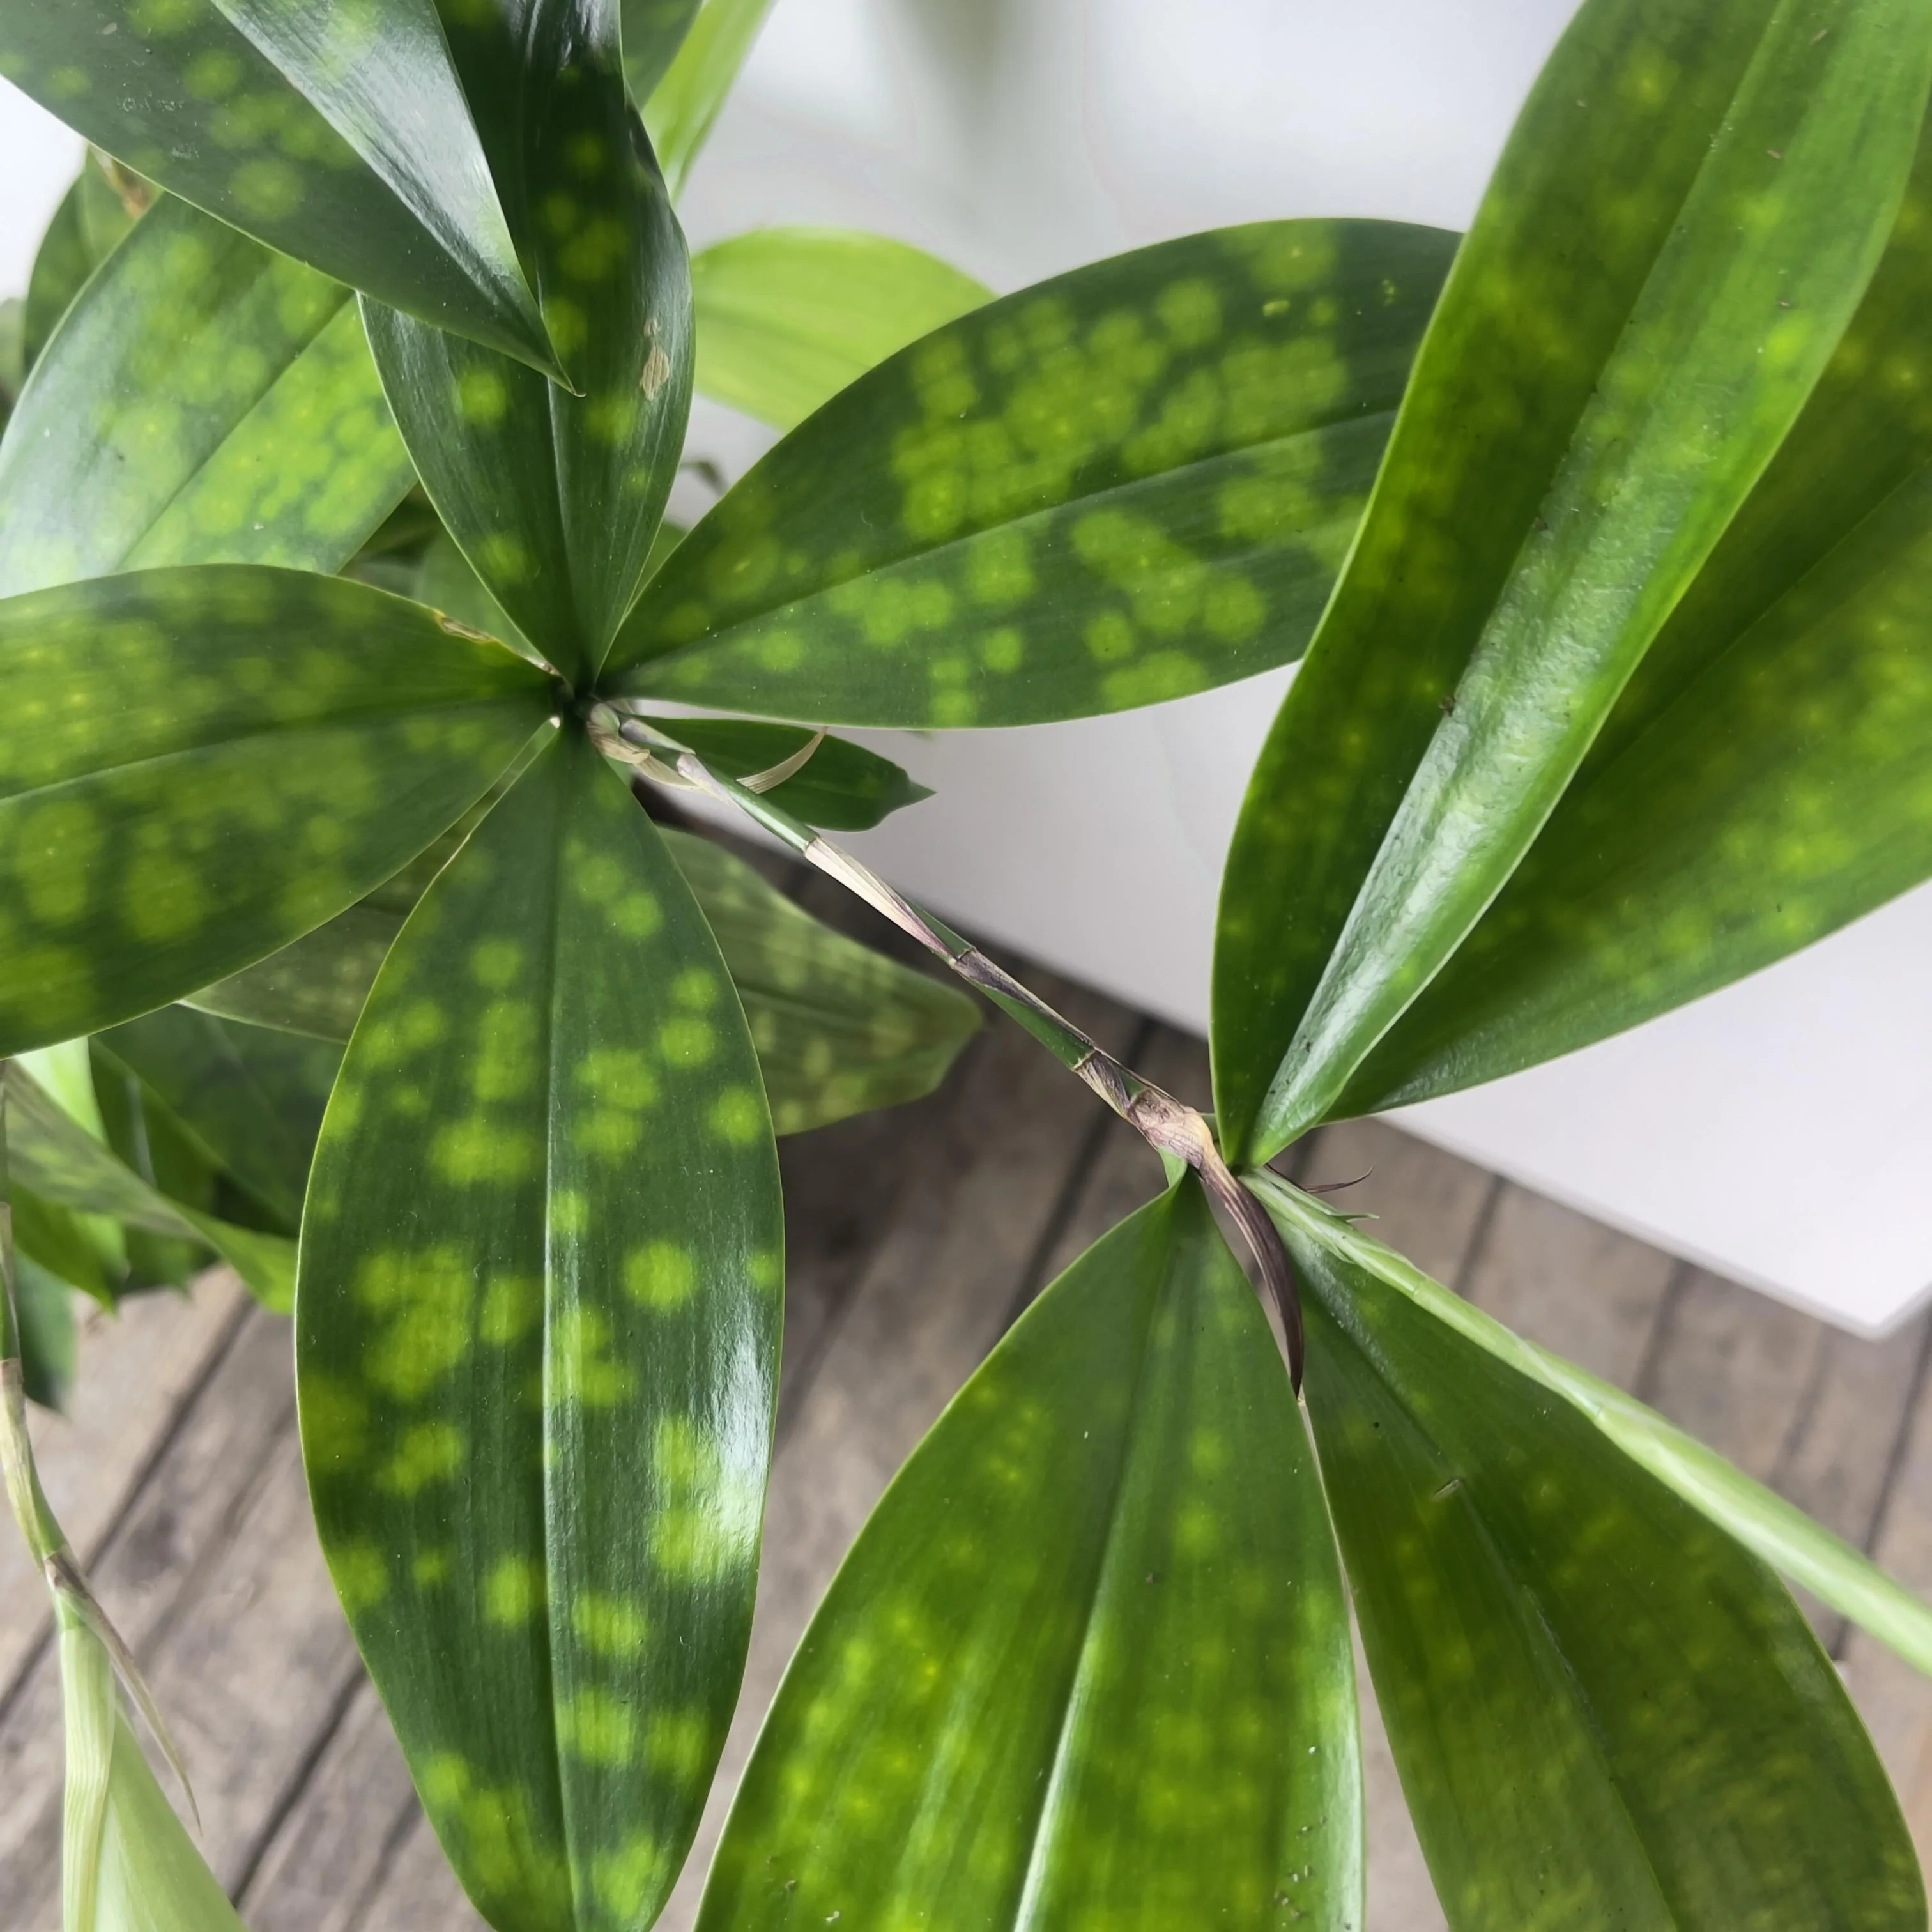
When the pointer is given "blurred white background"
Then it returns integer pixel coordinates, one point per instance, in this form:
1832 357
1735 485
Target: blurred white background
1781 1132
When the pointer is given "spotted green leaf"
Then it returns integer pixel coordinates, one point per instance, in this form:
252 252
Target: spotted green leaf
1132 482
253 1097
197 766
840 788
1605 1712
653 31
537 1340
555 498
1088 1663
787 317
52 1157
1764 778
1583 425
839 1029
339 135
207 401
682 109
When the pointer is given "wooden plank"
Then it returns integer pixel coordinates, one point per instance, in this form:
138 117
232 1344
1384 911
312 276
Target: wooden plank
156 1575
1428 1204
419 1892
934 1298
135 1369
1563 1281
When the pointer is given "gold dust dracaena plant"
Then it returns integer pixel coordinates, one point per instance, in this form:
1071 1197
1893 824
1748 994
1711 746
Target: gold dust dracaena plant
1608 531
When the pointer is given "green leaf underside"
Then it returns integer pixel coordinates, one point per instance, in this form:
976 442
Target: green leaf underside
207 401
839 1029
787 317
555 498
1089 1662
841 787
252 1097
48 1332
1128 484
683 106
537 1348
1766 776
1605 1712
64 1164
1583 424
375 177
653 31
57 1239
197 766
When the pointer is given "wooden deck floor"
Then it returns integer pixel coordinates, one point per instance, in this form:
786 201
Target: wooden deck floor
915 1236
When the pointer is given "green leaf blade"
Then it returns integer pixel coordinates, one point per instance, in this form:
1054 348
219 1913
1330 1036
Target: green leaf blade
840 788
1088 1662
653 31
232 415
537 1348
683 106
1524 1592
197 766
787 317
1579 433
1132 482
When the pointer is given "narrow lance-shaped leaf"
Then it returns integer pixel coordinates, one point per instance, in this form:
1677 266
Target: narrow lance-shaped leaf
839 1029
252 1097
1089 1662
840 787
1604 1711
537 1347
340 136
49 1337
207 401
197 766
1765 777
70 250
55 1160
682 109
1791 1542
555 498
787 317
1583 424
653 31
1129 483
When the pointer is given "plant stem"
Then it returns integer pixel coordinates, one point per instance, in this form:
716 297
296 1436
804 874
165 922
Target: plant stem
1168 1126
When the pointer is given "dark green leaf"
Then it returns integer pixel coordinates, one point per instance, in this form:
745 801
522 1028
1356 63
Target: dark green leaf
787 317
445 581
339 135
839 1029
62 263
682 109
653 31
197 766
1130 483
252 1097
1764 778
60 1161
12 354
1584 423
841 787
555 498
1088 1664
1604 1711
57 1238
208 402
45 1306
537 1341
147 1138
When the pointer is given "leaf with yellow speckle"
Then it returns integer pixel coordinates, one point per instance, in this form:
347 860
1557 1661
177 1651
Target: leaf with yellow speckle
1088 1663
251 1096
338 135
683 105
198 765
787 317
1605 1712
206 401
537 1342
839 1029
1125 484
64 1164
1766 776
1584 424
